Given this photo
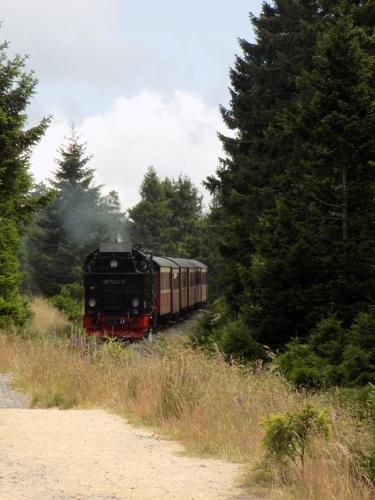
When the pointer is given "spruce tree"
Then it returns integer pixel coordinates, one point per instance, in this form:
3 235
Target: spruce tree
185 207
263 85
209 249
16 90
72 225
315 250
148 218
168 218
111 218
269 268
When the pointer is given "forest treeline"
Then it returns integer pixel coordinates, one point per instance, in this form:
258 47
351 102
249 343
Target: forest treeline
296 193
289 236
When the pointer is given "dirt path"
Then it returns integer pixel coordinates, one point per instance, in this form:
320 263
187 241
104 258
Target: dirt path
91 454
9 398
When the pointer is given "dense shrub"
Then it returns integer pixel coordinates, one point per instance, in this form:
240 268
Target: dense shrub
333 355
219 329
69 300
363 330
237 341
301 365
14 312
328 338
202 335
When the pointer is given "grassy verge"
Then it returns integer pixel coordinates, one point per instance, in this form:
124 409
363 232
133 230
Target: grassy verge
211 407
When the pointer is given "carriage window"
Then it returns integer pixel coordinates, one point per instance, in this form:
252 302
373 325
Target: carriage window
175 280
183 279
164 281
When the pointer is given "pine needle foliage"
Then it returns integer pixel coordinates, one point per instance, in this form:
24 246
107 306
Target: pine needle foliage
17 86
168 218
296 187
73 224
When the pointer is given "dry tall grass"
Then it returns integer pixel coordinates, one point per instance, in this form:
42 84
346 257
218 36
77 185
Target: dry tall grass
46 318
211 407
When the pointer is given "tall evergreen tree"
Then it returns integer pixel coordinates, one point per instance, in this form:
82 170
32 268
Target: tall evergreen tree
315 253
111 218
263 84
168 218
16 90
185 207
272 271
73 224
148 218
209 250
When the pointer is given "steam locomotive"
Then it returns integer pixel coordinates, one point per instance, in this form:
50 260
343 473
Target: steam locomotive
127 290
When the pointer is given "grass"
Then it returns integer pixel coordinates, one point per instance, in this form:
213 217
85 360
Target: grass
211 407
46 319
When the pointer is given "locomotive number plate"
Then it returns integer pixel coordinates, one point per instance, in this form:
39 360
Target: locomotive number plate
112 282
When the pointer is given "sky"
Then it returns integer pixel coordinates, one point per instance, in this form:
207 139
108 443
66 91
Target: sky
141 80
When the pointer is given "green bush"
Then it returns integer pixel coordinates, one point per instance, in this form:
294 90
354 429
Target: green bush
289 435
356 367
360 401
301 365
328 338
13 311
333 355
237 341
217 328
202 335
364 331
69 300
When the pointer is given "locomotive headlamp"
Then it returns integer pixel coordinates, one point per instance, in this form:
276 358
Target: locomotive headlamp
92 302
113 263
135 302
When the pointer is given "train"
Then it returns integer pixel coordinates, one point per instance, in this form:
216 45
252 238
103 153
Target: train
128 291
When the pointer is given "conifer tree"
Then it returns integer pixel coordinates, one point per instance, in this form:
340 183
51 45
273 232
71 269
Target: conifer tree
168 217
73 224
210 251
148 217
185 207
272 271
16 90
315 252
111 218
263 84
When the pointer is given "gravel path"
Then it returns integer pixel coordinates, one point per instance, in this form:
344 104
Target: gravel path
9 398
91 454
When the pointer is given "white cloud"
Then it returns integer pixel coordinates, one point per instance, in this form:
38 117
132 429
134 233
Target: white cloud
176 135
79 51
